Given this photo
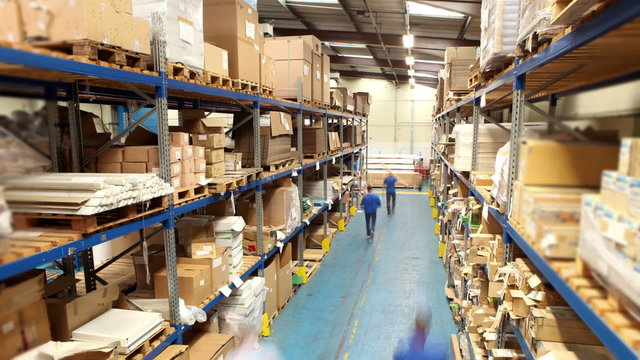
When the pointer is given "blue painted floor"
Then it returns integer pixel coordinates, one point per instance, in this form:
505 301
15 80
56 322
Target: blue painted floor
363 300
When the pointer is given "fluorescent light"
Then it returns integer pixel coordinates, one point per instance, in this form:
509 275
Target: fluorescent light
426 75
345 45
358 56
408 40
410 60
412 81
313 1
411 72
430 62
417 9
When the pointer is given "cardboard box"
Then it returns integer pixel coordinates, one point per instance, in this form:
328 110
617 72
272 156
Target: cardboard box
280 123
156 261
209 346
174 352
313 140
187 180
288 48
194 282
187 152
113 168
175 169
215 170
236 30
337 98
179 139
176 182
188 167
175 154
214 156
326 77
66 315
274 148
21 290
271 283
216 60
34 325
153 157
212 324
205 125
134 168
232 161
217 265
362 102
574 164
112 155
200 166
203 248
192 228
200 178
287 74
199 152
316 77
555 324
267 70
629 161
460 52
138 153
11 28
209 141
285 279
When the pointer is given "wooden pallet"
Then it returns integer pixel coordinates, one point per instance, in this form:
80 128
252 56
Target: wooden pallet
320 155
189 194
179 71
95 51
149 344
32 241
279 165
475 78
88 224
314 254
245 86
267 91
120 273
567 12
251 174
312 268
216 80
224 183
336 107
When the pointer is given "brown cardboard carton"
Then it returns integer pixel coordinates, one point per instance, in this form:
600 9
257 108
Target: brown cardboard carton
11 339
200 177
216 264
287 74
199 152
187 180
460 52
178 138
153 156
11 25
175 170
548 162
285 280
277 206
267 70
156 261
69 314
174 352
134 168
209 141
553 324
22 290
235 29
326 77
176 182
271 283
194 282
200 166
205 126
188 167
316 77
216 60
214 156
209 346
203 248
175 154
187 152
215 170
232 161
34 325
192 228
288 48
280 123
113 168
337 98
112 155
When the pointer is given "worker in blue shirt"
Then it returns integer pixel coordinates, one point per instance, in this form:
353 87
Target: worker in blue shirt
370 203
416 343
390 185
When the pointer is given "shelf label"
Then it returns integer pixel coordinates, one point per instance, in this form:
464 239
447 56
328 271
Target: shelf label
280 245
306 221
225 290
317 166
485 211
333 161
294 172
237 282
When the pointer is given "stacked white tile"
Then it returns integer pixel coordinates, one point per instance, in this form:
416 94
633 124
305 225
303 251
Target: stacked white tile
241 312
490 139
499 31
228 232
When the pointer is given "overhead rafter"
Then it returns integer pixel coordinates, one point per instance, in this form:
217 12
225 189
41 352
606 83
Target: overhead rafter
468 7
379 76
421 42
431 69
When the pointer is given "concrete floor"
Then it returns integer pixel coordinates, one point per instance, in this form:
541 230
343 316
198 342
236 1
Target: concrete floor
361 304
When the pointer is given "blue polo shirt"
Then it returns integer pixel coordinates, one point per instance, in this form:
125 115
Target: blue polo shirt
371 203
390 182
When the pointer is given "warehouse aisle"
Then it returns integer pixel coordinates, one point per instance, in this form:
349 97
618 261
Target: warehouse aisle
363 300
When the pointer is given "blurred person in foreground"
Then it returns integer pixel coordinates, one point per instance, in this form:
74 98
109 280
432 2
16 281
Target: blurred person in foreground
252 349
415 347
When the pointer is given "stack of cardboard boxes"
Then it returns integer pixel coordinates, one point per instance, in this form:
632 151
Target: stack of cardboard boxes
209 135
343 96
457 61
275 138
313 140
192 163
362 103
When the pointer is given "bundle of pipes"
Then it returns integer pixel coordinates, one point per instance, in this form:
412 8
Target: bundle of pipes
79 193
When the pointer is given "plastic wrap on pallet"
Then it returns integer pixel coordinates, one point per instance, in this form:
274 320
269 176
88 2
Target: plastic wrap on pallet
499 31
183 28
5 223
241 313
293 220
609 246
535 17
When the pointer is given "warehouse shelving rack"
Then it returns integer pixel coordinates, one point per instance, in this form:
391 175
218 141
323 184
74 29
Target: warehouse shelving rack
600 52
40 76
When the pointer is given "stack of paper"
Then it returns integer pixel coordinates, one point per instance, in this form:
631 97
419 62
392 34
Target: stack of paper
79 193
490 140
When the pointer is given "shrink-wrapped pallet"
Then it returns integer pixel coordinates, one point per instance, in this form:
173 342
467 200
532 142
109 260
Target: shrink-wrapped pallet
490 139
499 32
535 17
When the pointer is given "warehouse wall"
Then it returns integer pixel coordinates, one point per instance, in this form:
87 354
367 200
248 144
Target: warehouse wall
400 119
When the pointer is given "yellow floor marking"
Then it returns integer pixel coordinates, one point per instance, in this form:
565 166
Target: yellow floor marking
403 193
346 356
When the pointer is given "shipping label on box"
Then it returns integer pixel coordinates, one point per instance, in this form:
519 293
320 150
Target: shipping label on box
187 152
175 154
198 152
175 169
209 141
200 166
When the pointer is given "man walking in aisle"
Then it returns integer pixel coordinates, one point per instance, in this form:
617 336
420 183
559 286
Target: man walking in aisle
390 186
370 203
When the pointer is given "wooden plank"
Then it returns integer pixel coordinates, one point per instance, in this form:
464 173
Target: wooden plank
573 12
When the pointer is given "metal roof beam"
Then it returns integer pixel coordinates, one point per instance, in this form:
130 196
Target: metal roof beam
468 8
389 77
431 69
421 42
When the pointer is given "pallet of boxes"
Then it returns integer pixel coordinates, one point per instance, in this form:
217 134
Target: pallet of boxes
457 61
275 140
362 103
343 99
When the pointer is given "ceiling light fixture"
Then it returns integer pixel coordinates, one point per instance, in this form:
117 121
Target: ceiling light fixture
408 41
425 75
357 56
430 62
410 60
